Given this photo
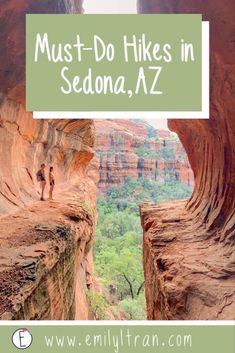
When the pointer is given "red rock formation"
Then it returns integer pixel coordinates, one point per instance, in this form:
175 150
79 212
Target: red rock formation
140 128
117 141
45 254
45 257
12 39
189 248
25 143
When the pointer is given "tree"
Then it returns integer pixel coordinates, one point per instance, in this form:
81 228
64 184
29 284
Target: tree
118 246
122 266
98 305
134 309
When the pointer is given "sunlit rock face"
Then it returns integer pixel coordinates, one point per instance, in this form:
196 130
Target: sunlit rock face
117 144
26 143
45 252
189 248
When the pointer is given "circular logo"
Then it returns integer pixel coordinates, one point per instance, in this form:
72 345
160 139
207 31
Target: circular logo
22 338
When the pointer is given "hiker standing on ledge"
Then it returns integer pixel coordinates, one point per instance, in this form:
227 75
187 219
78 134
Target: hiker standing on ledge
52 183
42 179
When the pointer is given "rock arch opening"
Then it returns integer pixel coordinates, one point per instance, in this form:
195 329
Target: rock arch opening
46 250
137 163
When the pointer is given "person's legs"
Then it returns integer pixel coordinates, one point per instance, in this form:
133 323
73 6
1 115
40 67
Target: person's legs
51 192
43 185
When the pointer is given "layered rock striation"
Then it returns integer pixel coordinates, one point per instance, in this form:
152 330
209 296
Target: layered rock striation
127 148
45 247
25 143
189 247
46 259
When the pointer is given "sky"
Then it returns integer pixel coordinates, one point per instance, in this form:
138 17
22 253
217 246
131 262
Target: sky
158 123
118 7
110 6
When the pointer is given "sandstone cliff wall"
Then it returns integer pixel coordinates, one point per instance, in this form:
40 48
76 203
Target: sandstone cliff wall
45 247
25 143
119 144
189 248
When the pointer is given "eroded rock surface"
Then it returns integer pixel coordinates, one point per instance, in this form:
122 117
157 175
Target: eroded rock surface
45 247
12 39
25 143
196 280
46 259
188 276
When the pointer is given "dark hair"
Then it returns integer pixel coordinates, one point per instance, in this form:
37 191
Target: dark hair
43 165
51 168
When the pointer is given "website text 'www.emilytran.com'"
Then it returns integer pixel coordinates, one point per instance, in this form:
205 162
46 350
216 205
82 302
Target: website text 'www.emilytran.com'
119 341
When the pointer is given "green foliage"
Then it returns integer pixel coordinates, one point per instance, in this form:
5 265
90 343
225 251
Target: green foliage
167 153
123 203
120 142
118 223
145 152
134 309
163 154
118 247
119 263
98 305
